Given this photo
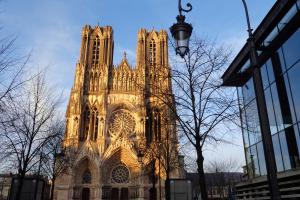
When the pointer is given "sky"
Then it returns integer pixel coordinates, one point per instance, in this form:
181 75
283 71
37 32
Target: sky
50 30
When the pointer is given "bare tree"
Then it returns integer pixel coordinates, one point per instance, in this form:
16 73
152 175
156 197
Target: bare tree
12 69
25 126
54 161
223 165
202 108
165 152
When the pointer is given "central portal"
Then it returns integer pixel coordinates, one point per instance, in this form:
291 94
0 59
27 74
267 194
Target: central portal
119 194
85 194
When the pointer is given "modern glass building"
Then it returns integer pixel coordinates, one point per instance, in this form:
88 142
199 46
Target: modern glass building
277 41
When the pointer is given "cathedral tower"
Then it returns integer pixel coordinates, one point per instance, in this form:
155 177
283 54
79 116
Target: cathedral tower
116 114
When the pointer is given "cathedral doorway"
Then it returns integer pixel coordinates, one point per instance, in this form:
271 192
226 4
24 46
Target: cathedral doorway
85 194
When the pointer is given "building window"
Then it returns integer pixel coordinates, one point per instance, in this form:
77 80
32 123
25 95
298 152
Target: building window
261 159
86 123
96 50
152 53
120 174
87 177
94 124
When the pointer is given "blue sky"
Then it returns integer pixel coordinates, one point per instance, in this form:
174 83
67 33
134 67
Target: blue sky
50 30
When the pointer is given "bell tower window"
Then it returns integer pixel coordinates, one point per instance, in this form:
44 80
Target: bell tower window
96 50
152 52
86 124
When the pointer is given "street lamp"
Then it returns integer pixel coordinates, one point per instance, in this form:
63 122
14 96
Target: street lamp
181 31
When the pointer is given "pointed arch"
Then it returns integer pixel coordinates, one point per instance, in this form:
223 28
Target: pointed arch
94 124
85 123
86 171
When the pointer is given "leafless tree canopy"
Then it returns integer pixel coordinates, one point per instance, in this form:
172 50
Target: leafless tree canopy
223 165
12 68
200 105
26 126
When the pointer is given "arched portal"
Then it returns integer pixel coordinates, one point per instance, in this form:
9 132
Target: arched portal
86 177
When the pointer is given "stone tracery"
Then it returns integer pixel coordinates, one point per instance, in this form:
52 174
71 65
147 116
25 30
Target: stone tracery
121 124
120 174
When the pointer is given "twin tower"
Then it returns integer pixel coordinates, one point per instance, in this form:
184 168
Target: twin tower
120 136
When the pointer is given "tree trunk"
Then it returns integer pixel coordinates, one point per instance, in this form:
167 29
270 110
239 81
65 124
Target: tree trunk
202 182
52 188
167 185
20 178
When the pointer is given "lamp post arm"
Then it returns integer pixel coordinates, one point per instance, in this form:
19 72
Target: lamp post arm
248 18
180 9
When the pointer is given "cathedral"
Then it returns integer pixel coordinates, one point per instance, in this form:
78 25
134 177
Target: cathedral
120 139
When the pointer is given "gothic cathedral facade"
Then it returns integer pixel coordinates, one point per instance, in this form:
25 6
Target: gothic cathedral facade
120 139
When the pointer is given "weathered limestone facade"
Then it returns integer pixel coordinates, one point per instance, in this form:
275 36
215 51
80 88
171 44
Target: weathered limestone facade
115 112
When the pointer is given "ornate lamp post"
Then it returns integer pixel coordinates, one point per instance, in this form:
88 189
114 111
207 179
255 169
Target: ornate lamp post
181 31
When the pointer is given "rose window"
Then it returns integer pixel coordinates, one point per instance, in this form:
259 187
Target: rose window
121 123
120 174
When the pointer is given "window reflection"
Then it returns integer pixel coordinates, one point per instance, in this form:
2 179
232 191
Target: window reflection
277 108
291 49
297 135
244 129
285 151
264 76
250 164
271 115
293 75
254 160
270 71
253 124
290 99
248 91
261 159
277 152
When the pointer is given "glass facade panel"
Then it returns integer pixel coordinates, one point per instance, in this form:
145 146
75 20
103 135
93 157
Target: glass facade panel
252 120
285 151
277 152
281 58
277 108
248 91
254 160
297 135
271 115
250 164
244 129
290 99
261 159
291 49
240 96
294 78
270 71
281 82
264 76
